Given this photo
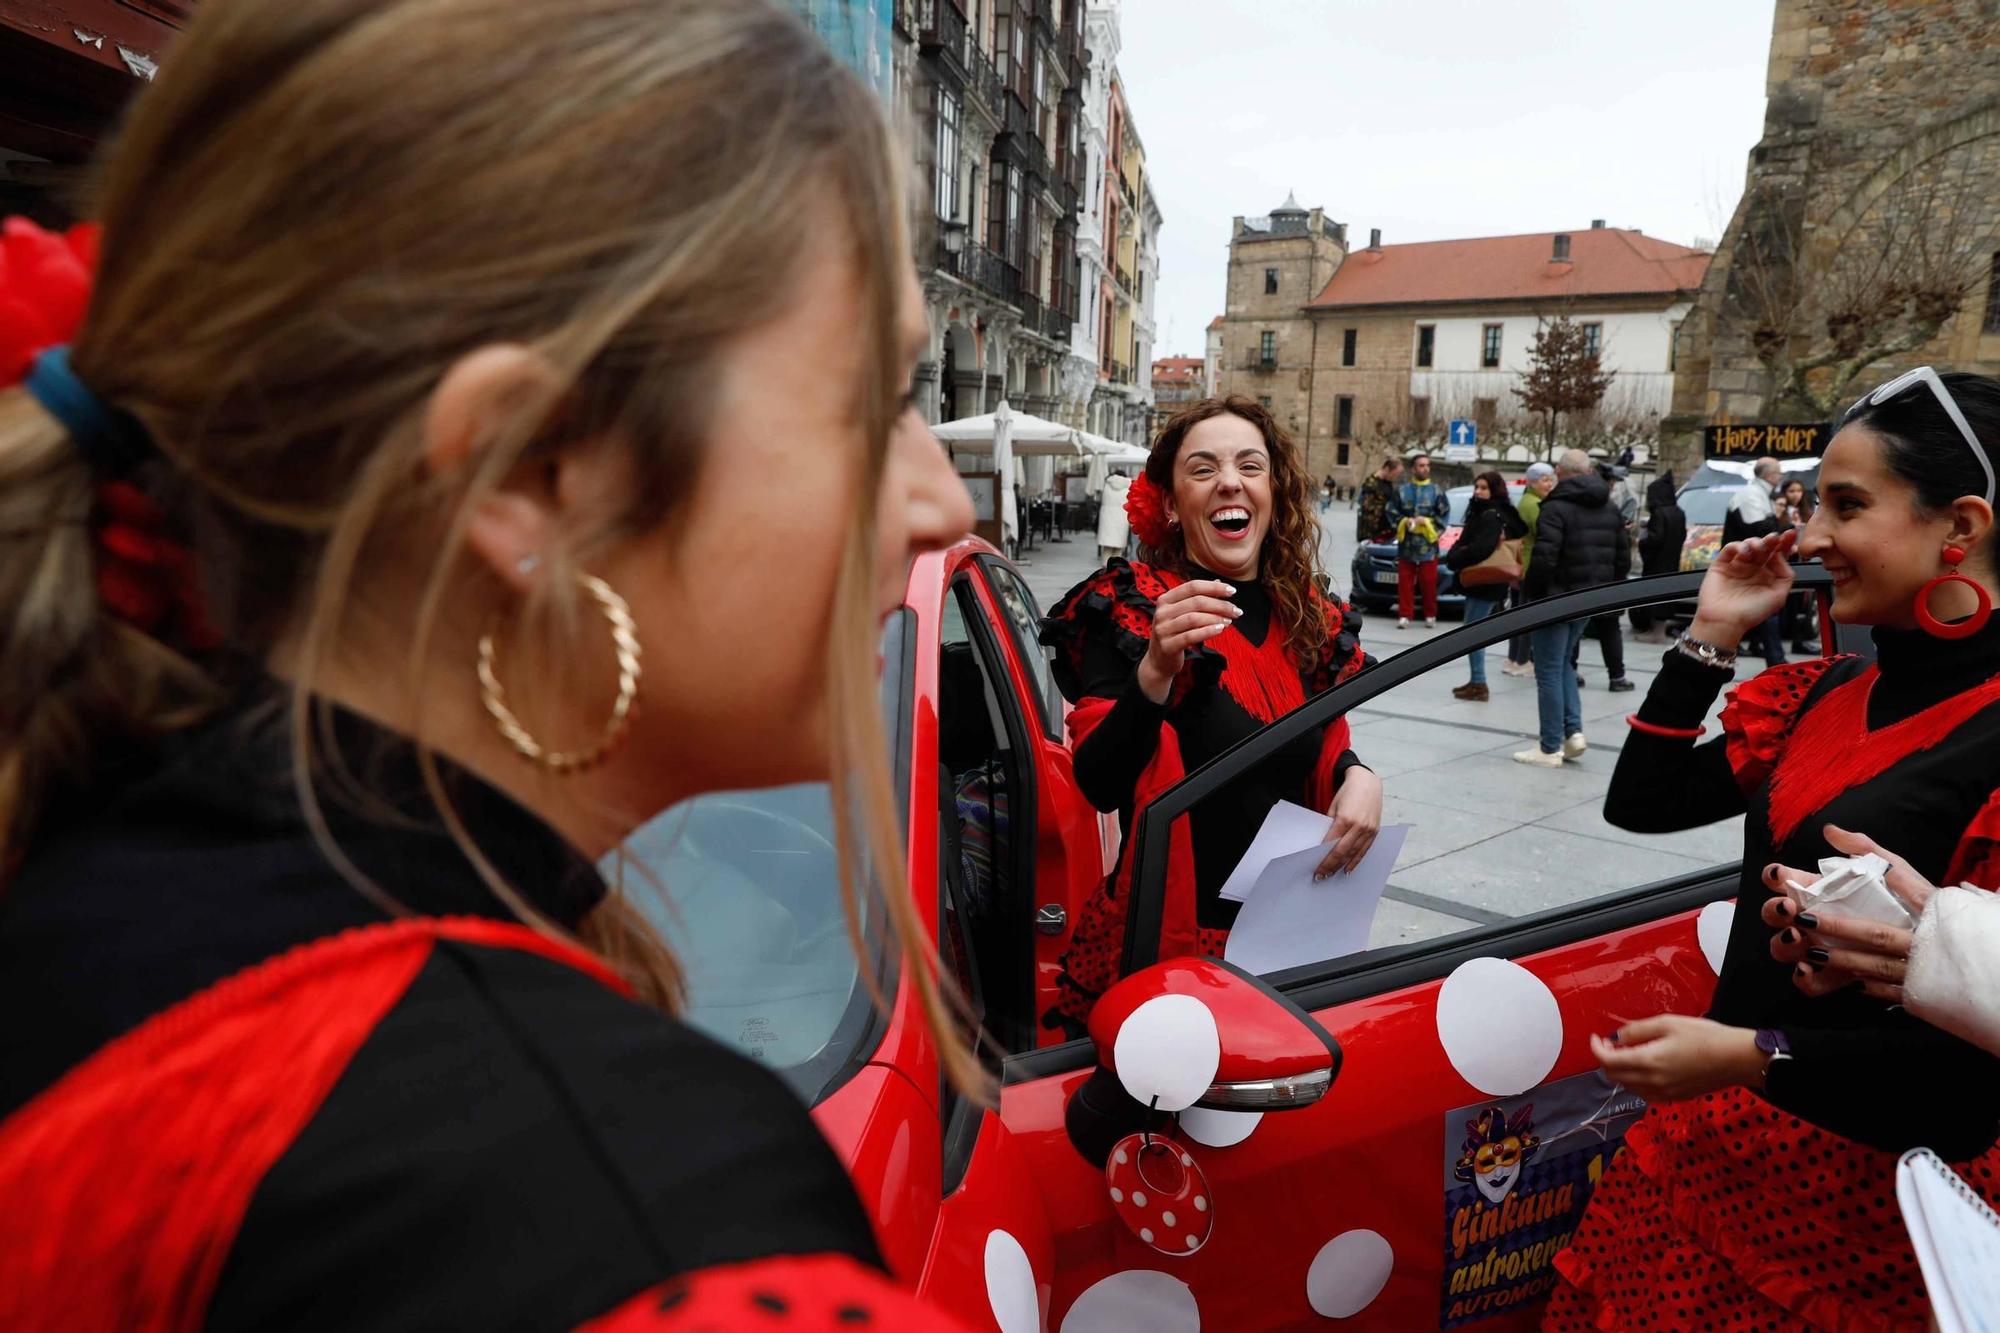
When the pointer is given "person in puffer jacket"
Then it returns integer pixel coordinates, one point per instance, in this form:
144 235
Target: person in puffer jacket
1579 543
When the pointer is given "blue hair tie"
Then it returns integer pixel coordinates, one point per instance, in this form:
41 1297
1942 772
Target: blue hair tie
113 442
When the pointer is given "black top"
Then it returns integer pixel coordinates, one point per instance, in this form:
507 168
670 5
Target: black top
513 1145
1861 1068
1487 524
1579 540
1207 721
1666 529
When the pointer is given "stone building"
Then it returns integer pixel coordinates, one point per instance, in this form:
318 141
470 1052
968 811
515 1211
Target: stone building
1363 352
1212 356
1882 126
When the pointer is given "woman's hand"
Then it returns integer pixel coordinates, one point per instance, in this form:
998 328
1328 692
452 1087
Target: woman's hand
1675 1057
1186 616
1357 818
1745 586
1831 952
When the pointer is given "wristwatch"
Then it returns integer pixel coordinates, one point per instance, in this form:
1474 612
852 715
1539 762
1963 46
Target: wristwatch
1773 1044
1706 653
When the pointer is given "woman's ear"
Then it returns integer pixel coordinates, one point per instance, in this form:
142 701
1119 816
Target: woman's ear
1971 521
484 395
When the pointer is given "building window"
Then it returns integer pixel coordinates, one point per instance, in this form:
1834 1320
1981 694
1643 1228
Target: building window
947 155
1674 333
1485 412
1489 347
1593 340
1267 347
1993 298
1427 337
1341 452
1420 412
1343 417
1270 282
1264 401
1348 338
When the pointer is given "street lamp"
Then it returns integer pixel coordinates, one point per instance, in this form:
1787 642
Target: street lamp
954 237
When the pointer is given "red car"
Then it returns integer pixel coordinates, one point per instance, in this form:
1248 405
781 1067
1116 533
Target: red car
1431 1120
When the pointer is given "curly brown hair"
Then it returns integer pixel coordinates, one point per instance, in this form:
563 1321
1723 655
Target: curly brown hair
1288 565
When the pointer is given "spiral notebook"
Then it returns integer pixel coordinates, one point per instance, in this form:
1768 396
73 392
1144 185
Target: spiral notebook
1957 1238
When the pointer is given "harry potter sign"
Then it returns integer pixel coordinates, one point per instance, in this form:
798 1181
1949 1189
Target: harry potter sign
1760 441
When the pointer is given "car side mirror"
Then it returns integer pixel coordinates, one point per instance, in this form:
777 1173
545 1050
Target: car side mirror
1196 1032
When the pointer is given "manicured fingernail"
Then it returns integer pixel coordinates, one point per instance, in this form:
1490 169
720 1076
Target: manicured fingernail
1818 956
1801 971
1807 921
1790 936
1229 588
1817 967
1771 873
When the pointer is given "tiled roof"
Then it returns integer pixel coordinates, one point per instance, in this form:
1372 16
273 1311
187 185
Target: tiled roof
1171 368
1605 261
1216 323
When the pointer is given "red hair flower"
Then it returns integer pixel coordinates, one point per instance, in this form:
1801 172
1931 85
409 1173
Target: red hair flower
44 288
1146 508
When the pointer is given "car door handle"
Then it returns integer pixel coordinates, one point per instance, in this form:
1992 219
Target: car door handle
1052 919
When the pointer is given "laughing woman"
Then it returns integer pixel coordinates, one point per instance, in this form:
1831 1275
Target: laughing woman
1169 662
1759 1190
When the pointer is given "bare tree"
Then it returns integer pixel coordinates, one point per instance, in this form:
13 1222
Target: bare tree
1818 311
1564 377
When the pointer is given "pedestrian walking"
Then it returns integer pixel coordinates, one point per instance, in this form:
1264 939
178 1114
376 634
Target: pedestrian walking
1579 543
1799 507
1754 513
1659 551
1490 521
1327 490
1419 512
1378 496
1607 629
1541 479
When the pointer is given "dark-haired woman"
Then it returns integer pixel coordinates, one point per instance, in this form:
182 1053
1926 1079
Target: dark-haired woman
1759 1190
1489 520
1221 630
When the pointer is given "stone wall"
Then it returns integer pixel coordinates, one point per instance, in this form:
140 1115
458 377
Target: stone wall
1304 257
1867 98
1378 381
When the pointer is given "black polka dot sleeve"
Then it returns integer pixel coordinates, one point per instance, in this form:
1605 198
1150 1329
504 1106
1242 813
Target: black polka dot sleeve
821 1293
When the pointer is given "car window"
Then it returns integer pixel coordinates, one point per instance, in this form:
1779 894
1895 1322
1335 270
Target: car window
1490 841
1710 504
1024 623
745 888
1460 498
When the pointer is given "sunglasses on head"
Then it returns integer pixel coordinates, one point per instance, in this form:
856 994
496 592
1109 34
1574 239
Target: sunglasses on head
1926 376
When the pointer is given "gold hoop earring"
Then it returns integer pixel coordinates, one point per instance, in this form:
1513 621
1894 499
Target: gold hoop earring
624 637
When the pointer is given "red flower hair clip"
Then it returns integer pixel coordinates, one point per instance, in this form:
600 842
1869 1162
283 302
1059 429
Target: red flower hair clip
143 576
1146 508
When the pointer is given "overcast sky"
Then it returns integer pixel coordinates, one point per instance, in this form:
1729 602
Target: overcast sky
1434 119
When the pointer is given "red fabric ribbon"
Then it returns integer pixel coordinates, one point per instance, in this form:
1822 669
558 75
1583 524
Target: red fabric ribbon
143 576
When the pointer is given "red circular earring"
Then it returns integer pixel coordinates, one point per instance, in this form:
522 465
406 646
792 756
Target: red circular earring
1958 629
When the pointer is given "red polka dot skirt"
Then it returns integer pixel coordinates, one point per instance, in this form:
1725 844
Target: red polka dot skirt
1726 1214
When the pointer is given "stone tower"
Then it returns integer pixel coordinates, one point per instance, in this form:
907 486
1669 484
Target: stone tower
1277 264
1883 123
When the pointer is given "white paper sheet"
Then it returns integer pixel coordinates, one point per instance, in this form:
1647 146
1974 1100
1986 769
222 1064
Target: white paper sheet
1957 1239
1290 918
1288 828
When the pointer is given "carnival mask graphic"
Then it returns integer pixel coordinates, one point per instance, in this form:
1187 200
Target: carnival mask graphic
1495 1150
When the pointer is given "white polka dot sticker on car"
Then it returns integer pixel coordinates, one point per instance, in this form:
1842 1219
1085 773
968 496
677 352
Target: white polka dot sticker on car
1500 1026
1138 1298
1167 1051
1011 1289
1348 1273
1711 928
1219 1129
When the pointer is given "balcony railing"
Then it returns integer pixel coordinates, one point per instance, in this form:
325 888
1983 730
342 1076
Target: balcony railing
1045 17
1031 311
906 18
941 32
1120 373
982 269
982 81
1258 361
1056 324
1018 122
1123 274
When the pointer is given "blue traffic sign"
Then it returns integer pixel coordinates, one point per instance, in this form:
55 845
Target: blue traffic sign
1463 432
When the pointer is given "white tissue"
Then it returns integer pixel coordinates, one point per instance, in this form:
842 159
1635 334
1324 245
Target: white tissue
1852 886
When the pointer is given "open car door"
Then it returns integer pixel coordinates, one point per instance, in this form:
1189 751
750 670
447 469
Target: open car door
1432 1185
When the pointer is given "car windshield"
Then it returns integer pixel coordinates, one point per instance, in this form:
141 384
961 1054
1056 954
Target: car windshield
1709 505
745 887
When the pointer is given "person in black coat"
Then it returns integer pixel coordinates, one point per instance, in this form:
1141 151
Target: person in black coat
1579 543
1659 549
1489 520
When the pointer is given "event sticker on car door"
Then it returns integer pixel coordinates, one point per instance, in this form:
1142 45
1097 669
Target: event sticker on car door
1518 1172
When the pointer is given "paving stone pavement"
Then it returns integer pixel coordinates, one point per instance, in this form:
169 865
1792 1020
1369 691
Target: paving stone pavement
1490 839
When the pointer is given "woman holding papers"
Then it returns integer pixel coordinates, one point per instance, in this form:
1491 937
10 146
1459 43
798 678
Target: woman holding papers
1758 1192
1222 630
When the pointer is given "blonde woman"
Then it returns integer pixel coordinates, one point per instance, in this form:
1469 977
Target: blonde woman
390 538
